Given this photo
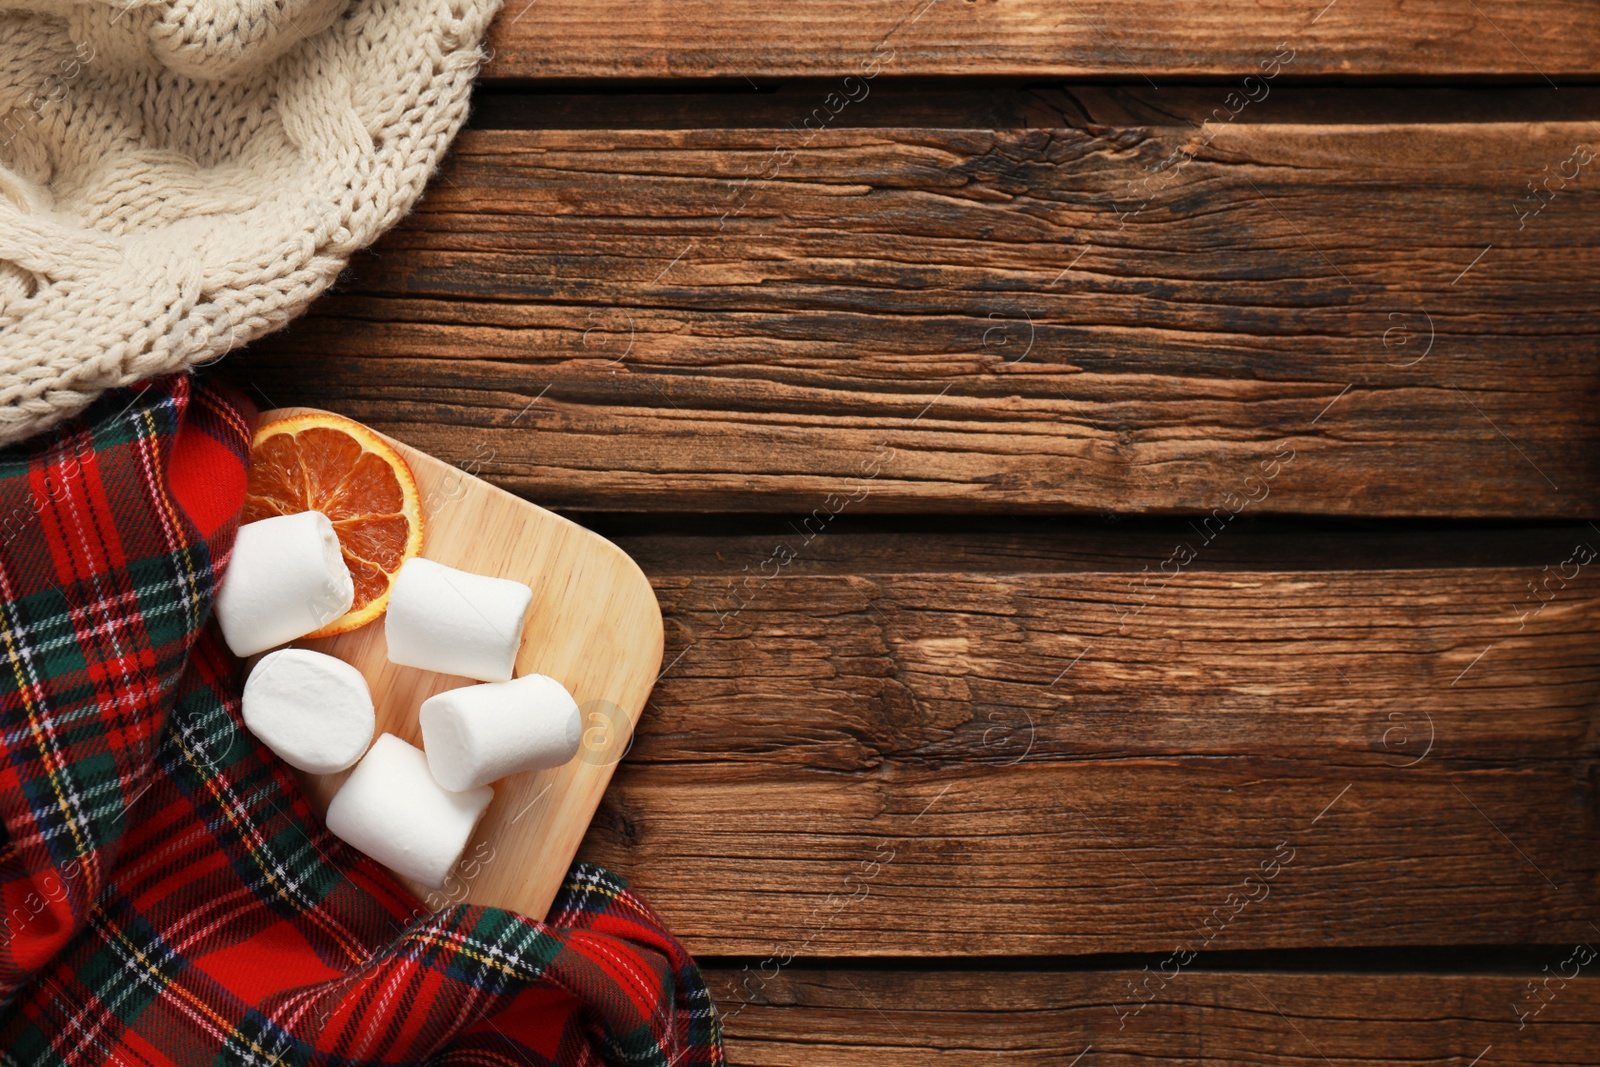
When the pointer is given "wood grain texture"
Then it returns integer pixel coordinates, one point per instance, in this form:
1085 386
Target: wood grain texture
902 1018
979 764
1150 38
594 626
1074 317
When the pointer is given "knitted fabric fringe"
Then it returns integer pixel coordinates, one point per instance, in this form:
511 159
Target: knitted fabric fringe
179 177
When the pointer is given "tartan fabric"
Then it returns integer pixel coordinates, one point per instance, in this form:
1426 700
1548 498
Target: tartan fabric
167 897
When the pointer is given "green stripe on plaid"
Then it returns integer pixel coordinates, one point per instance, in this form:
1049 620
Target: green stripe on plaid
193 909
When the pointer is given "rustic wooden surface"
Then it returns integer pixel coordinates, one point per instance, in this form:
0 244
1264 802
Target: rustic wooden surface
951 757
956 737
1147 38
987 320
899 1018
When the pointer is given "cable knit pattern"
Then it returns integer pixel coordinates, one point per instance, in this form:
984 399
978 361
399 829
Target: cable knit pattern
179 177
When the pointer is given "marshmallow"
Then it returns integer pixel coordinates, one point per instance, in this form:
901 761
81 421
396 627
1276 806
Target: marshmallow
454 622
314 711
285 579
391 808
479 733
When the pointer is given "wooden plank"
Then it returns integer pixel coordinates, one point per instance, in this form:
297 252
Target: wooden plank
979 764
1154 38
1110 855
853 1018
1069 318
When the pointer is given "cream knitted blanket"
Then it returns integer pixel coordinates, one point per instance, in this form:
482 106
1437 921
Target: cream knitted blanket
179 177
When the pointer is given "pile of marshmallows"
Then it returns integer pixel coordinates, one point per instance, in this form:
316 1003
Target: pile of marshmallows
411 810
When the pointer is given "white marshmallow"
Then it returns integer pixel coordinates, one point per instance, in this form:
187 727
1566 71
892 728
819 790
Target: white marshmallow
479 733
286 578
314 711
391 808
455 622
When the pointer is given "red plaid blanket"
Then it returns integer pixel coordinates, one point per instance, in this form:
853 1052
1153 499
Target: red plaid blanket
166 895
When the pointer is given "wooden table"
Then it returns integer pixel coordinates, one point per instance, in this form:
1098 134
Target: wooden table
1118 480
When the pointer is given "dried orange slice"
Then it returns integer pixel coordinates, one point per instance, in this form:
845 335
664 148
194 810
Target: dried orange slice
327 463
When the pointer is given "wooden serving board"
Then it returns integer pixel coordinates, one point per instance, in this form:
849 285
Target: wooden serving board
594 626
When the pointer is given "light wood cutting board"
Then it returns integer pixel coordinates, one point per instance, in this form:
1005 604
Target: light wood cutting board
594 626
